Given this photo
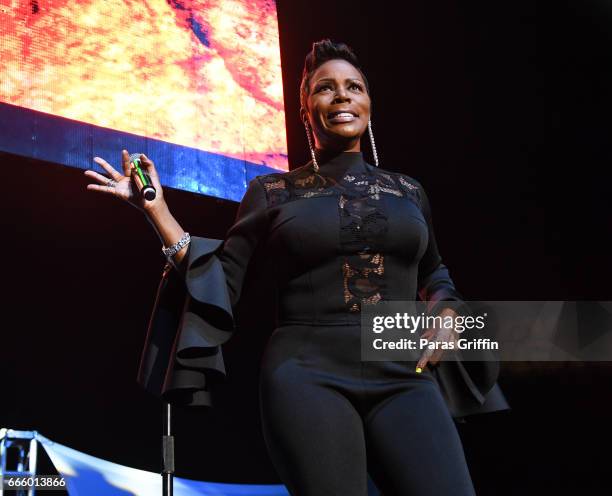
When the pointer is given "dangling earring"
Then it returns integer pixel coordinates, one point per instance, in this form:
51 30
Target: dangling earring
372 142
315 165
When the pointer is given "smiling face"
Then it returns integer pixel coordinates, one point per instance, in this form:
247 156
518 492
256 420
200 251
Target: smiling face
338 106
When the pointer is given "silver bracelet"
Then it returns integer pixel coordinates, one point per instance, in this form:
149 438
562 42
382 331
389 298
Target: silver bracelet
176 247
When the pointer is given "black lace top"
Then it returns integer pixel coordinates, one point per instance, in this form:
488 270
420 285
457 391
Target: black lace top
346 236
350 235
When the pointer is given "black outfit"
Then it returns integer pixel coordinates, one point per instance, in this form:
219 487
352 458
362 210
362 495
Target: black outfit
347 236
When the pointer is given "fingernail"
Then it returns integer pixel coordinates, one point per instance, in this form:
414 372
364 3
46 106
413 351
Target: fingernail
419 370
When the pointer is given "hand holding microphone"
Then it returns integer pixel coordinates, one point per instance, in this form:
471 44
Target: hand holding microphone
138 185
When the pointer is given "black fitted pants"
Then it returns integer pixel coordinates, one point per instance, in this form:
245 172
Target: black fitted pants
329 419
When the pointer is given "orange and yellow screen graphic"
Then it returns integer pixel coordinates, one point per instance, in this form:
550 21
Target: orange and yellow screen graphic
199 73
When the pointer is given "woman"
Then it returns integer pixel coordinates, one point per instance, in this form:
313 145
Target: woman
337 234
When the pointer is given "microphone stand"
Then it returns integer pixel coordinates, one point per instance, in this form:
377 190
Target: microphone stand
167 453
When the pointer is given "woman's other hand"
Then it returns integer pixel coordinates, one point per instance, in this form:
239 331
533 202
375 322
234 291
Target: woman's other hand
437 336
122 185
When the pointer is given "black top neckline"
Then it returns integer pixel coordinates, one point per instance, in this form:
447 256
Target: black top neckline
339 163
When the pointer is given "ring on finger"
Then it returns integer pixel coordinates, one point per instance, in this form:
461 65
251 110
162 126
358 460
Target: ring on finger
111 183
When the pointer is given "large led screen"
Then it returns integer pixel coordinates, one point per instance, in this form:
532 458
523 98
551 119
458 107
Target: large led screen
194 84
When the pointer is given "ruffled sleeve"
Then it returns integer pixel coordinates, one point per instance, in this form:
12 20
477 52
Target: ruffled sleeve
469 387
193 311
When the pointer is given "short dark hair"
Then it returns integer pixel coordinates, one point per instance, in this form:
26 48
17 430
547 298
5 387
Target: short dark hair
321 52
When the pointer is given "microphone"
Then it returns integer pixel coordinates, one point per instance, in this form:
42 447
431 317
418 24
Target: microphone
142 178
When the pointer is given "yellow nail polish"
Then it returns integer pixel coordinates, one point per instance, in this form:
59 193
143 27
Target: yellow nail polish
419 370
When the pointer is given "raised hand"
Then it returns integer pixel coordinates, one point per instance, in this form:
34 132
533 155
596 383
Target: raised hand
122 185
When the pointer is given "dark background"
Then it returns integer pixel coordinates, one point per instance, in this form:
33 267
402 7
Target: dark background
501 110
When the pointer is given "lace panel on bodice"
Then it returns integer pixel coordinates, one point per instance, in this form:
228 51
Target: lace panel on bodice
363 221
